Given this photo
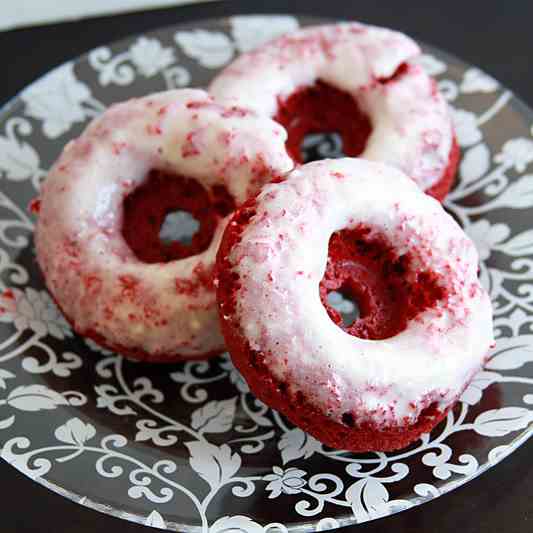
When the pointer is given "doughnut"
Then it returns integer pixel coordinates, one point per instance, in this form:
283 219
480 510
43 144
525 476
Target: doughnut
103 203
359 81
425 324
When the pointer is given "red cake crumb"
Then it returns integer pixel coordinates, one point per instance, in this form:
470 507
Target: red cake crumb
35 206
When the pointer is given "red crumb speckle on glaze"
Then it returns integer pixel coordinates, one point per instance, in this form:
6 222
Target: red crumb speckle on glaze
235 111
153 129
200 104
35 206
129 286
117 147
225 139
202 278
193 144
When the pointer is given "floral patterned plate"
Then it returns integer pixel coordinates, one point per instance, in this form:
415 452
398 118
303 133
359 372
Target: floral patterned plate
188 447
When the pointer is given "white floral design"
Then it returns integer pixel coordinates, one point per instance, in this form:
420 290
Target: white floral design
18 159
75 432
250 32
210 49
33 310
431 64
474 80
60 100
150 57
289 481
146 56
466 127
485 236
517 153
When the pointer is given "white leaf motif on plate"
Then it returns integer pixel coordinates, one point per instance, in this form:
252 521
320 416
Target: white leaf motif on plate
7 422
500 422
431 65
5 374
149 57
476 81
512 353
250 32
519 245
368 498
498 453
235 524
485 236
518 195
33 310
289 481
154 519
517 153
211 49
214 464
35 398
57 100
481 381
448 89
475 163
75 432
214 416
466 127
295 444
18 160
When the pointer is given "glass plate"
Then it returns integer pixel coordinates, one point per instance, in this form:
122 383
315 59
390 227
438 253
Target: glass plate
187 447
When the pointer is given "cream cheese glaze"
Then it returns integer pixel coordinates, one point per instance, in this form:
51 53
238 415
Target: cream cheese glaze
280 260
411 123
96 279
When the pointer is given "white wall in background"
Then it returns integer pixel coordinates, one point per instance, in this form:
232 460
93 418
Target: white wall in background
17 13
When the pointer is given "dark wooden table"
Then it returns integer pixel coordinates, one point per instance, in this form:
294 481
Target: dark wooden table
484 33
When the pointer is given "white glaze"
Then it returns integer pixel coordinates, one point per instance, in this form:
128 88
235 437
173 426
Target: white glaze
412 127
281 259
81 204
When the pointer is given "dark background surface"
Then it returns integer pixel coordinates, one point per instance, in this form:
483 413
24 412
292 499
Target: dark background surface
483 33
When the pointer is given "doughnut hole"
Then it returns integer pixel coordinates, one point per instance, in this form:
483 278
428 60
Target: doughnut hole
171 217
387 290
322 121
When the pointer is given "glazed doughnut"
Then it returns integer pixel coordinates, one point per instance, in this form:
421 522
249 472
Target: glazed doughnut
425 323
356 80
106 197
